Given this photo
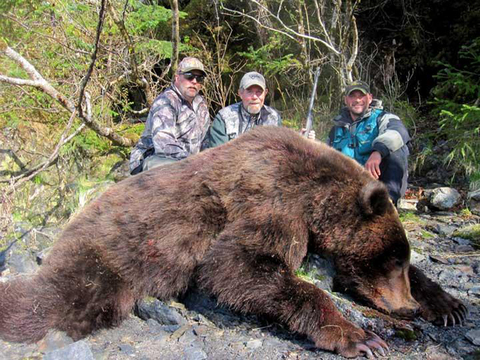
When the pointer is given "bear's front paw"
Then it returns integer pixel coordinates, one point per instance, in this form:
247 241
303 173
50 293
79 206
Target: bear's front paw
372 345
351 344
444 310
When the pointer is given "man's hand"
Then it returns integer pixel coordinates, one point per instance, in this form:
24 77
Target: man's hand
373 164
311 134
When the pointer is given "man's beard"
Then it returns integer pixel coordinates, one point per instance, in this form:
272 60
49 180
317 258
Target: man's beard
254 109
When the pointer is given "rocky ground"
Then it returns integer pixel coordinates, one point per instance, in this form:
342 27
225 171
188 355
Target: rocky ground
196 328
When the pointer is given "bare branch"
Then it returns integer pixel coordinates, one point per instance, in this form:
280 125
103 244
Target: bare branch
354 52
26 176
39 82
43 34
101 17
322 24
20 82
287 31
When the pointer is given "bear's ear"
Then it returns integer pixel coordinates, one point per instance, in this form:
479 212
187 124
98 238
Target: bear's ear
374 199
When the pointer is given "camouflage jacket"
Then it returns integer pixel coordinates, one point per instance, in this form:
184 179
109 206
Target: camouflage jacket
174 128
234 120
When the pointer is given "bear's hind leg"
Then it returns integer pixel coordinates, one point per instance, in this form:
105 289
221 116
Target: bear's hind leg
91 296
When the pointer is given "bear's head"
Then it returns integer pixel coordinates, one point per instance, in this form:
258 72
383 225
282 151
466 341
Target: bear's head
371 252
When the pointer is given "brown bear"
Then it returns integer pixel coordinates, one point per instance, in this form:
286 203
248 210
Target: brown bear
237 220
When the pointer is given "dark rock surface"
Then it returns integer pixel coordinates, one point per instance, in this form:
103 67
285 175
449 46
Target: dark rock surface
196 327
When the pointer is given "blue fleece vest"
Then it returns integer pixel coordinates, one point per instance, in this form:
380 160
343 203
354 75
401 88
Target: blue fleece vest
355 140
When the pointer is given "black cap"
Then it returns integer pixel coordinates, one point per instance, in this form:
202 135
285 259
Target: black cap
357 85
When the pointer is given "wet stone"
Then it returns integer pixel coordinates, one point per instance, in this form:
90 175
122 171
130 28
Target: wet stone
22 263
195 353
445 230
155 309
434 352
475 291
464 248
439 259
170 328
465 269
416 257
79 350
53 341
126 349
254 344
461 241
188 337
201 330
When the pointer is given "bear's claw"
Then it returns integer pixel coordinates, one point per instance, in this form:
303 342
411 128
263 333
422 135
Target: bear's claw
457 316
373 345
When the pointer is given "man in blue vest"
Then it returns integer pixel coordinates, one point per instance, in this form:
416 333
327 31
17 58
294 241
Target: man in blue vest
373 137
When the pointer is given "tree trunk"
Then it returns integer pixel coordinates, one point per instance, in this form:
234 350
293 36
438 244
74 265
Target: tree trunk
175 34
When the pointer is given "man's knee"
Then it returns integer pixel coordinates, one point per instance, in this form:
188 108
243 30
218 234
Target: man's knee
394 169
154 161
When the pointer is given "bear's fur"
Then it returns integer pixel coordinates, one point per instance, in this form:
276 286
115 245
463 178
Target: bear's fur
237 219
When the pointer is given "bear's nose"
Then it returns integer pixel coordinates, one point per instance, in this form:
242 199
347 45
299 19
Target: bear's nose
409 312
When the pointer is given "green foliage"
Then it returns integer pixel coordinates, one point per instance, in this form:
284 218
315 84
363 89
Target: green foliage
305 275
422 156
466 213
463 127
83 191
135 129
471 232
427 234
265 60
410 217
87 142
37 179
152 46
405 111
406 334
457 103
475 181
144 18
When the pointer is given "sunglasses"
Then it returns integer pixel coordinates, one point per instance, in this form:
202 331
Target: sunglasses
190 76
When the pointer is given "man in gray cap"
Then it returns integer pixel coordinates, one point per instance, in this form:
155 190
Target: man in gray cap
375 138
234 120
177 122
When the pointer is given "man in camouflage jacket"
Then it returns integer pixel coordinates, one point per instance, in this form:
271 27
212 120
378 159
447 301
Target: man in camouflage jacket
177 122
234 120
373 137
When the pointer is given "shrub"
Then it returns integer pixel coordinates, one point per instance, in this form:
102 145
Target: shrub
457 101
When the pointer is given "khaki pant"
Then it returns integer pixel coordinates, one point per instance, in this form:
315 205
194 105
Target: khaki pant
153 161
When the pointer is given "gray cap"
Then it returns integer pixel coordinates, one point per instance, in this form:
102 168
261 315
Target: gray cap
252 78
189 64
358 85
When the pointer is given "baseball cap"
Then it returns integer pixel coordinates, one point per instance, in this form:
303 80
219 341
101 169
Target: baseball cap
252 78
358 85
189 64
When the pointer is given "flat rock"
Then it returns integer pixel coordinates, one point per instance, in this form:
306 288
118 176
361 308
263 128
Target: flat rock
474 336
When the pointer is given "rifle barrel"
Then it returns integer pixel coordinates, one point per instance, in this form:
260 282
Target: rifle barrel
309 124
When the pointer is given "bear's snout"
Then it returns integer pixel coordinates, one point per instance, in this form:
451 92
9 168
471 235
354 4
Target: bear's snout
408 312
394 295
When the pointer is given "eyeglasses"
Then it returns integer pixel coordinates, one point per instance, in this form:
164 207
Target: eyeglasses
190 76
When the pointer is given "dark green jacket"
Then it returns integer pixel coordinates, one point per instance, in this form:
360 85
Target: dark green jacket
234 120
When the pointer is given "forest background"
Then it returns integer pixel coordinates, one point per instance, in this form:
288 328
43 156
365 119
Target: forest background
77 78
